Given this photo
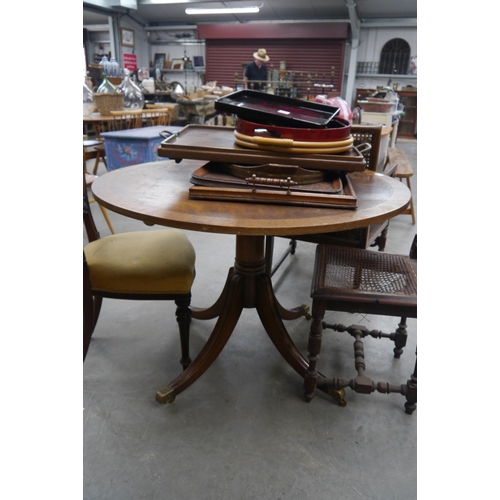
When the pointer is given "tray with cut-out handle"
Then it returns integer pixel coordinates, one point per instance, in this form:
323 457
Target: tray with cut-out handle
213 181
216 143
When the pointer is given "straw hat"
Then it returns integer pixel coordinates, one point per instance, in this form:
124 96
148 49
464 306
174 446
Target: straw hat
261 55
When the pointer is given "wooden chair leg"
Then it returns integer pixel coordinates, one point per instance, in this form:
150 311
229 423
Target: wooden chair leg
411 396
88 311
98 158
381 240
399 338
96 164
412 208
313 349
97 304
106 216
183 315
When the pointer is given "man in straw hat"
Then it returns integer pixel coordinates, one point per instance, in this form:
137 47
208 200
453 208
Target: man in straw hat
256 71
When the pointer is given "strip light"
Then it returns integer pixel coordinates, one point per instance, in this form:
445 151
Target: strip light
228 10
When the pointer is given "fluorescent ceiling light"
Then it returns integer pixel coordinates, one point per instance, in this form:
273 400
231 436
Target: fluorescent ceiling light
232 10
164 1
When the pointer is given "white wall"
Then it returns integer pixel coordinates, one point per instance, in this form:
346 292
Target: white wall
192 79
371 42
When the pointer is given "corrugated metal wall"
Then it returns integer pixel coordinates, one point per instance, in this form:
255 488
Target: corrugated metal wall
224 58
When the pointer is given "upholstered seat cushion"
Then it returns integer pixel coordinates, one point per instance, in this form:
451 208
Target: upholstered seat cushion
157 262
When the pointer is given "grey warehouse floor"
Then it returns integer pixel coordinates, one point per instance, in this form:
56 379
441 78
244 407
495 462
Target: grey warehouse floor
243 430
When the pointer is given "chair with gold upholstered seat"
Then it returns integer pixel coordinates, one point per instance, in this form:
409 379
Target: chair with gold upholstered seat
141 265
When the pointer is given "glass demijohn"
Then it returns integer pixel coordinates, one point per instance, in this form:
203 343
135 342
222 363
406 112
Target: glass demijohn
88 100
133 96
106 86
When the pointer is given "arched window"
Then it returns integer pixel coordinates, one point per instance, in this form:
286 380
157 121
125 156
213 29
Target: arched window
395 57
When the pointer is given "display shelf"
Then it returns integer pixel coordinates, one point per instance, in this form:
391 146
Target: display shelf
167 70
386 76
408 120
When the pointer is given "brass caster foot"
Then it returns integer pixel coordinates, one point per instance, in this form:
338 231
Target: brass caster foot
305 307
410 408
165 395
308 397
338 395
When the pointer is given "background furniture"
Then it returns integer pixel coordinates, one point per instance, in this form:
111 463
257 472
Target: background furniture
156 116
398 157
173 108
125 119
137 145
407 126
158 193
96 123
89 179
141 265
93 148
361 281
137 118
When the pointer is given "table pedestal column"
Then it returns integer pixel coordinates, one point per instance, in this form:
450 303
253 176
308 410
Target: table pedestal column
247 286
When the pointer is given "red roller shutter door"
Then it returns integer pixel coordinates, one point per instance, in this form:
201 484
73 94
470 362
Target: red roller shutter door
224 58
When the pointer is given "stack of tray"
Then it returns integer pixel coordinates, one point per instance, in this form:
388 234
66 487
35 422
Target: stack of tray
283 151
215 181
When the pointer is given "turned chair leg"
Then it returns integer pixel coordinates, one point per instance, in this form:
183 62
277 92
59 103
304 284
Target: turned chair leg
412 206
183 316
313 348
411 395
400 338
107 219
382 239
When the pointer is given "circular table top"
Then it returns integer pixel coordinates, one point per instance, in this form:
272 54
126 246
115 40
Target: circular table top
158 193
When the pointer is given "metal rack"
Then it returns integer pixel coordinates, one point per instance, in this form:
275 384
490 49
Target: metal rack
295 84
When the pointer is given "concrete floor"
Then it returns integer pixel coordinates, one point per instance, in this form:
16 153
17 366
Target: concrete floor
243 430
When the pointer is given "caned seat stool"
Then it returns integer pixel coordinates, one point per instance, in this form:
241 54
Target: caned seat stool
361 281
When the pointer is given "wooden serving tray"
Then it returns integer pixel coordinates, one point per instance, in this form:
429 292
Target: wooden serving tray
212 143
211 182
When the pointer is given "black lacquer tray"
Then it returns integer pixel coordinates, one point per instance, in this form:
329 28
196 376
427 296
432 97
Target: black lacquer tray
276 110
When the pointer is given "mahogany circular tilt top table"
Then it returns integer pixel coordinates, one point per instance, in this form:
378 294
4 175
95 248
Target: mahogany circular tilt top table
158 193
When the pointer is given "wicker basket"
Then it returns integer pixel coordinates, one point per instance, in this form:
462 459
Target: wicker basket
108 102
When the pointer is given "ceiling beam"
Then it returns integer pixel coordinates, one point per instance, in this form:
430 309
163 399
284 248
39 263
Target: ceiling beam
165 2
405 22
353 18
